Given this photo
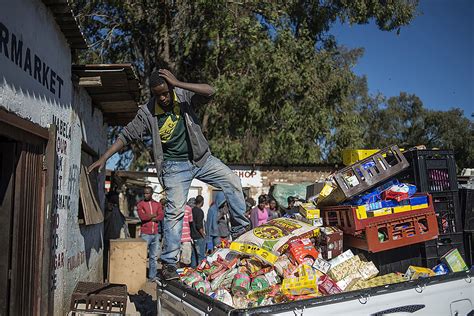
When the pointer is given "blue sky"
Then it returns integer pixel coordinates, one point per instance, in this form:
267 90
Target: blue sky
433 57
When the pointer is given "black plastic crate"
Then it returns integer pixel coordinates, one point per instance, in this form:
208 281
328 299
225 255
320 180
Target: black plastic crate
432 170
448 212
466 197
469 248
394 260
433 250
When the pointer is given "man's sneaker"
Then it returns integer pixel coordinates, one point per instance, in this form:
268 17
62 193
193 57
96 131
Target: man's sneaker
168 272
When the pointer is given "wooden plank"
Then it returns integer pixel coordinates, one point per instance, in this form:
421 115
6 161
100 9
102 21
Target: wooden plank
90 82
127 263
47 296
109 97
23 124
88 190
119 106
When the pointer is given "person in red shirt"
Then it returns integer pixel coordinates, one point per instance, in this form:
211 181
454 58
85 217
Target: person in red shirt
151 214
186 240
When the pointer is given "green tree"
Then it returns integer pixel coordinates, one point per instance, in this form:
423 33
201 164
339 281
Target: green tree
285 88
403 120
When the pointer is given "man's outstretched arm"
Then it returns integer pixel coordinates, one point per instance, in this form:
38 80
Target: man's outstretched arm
103 159
199 88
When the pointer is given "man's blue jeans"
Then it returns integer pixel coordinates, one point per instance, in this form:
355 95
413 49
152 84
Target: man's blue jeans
199 251
154 250
177 177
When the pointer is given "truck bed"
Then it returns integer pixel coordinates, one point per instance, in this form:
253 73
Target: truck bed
451 294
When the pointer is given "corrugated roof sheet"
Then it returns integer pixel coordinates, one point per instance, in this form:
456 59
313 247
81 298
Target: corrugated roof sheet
68 24
118 94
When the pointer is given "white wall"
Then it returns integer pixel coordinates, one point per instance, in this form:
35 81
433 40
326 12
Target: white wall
52 99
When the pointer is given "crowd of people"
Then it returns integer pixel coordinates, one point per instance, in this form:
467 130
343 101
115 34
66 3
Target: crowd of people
200 233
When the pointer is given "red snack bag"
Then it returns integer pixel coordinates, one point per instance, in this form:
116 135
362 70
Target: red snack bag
301 250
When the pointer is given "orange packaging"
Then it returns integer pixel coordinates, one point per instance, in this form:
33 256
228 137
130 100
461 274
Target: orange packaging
302 250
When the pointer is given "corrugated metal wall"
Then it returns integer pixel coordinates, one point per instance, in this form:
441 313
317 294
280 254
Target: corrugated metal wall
27 226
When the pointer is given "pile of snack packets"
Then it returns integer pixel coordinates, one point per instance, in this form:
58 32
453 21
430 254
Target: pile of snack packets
291 259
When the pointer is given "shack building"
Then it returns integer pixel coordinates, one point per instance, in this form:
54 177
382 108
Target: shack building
53 123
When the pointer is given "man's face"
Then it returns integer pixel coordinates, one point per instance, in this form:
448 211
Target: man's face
162 94
147 194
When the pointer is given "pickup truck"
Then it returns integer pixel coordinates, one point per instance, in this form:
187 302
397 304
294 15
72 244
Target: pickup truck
450 294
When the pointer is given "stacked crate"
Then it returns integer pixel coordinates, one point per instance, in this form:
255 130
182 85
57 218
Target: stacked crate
401 229
434 172
467 210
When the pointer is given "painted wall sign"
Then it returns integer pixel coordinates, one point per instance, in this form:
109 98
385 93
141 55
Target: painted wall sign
13 48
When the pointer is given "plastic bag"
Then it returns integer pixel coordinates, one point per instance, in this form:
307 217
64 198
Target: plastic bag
274 236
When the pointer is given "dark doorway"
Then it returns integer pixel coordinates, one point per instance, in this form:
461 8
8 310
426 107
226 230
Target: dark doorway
23 220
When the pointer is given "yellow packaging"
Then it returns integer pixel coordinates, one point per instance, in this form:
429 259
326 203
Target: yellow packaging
417 207
254 250
306 283
361 212
368 270
327 189
390 278
380 212
414 272
348 281
402 208
348 267
309 211
351 156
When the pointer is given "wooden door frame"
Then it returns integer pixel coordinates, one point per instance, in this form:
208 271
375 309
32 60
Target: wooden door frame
24 131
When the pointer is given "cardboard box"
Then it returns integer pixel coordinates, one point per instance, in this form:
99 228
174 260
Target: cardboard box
330 242
127 263
348 281
361 212
401 208
390 278
414 272
327 286
321 265
341 258
348 267
309 211
368 270
454 261
317 222
306 283
314 189
417 207
380 212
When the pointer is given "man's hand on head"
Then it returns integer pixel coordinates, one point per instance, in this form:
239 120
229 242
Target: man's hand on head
169 77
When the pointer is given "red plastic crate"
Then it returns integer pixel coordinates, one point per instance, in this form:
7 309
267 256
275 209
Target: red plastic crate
407 230
345 216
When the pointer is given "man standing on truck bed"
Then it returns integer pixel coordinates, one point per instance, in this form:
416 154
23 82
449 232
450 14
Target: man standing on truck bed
181 153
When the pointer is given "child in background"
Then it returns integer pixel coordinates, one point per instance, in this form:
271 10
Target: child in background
272 209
